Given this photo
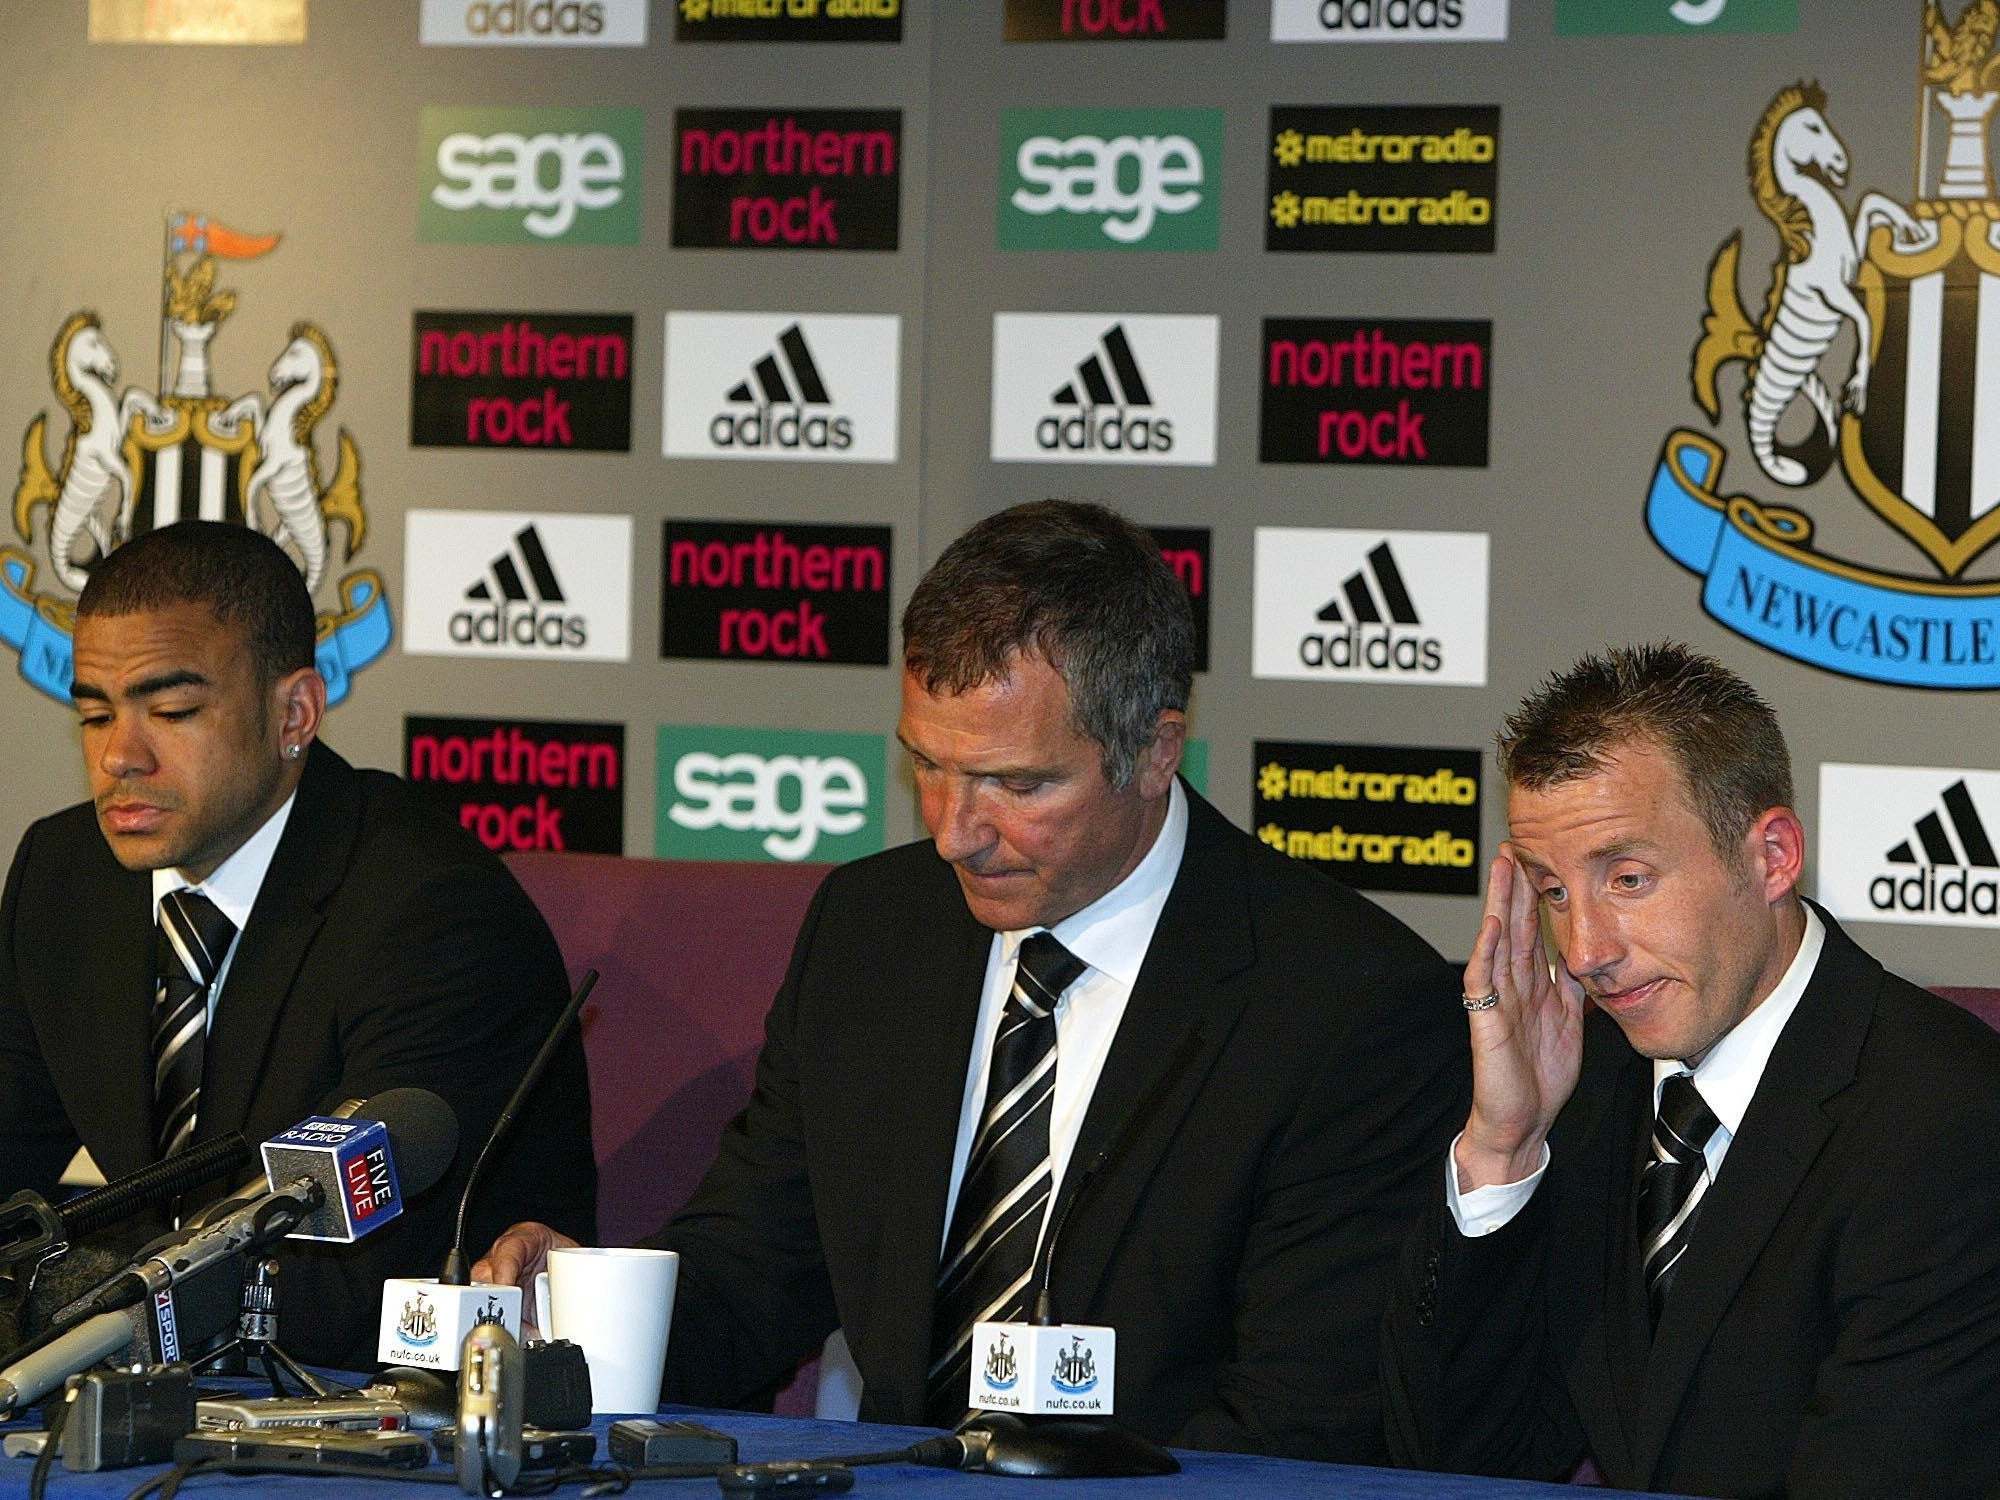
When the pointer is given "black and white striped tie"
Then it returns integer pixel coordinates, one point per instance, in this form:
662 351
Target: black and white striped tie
194 936
1673 1185
989 1254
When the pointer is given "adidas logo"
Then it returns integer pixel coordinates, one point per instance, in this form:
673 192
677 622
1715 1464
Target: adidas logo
1363 603
518 611
1097 402
1375 607
777 417
1942 861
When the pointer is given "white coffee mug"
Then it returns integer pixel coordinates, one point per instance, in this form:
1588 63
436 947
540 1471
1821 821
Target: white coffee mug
618 1306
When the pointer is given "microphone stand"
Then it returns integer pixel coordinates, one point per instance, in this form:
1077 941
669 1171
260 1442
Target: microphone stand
257 1338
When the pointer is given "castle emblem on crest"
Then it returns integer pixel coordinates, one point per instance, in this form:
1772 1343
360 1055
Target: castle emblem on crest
1872 350
134 459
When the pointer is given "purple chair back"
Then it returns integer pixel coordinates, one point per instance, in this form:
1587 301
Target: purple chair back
690 954
1983 1003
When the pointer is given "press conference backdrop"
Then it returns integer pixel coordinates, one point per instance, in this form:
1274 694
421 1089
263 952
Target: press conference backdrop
615 368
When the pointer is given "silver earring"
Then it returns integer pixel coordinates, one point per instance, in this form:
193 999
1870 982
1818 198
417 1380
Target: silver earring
292 752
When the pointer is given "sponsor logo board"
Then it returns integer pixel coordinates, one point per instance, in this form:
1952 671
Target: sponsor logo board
1380 817
1406 607
1104 388
544 381
1910 844
534 23
797 179
758 794
782 385
1391 20
1187 550
1879 319
788 21
1634 17
530 176
1411 391
1116 20
1110 179
775 591
1387 177
524 783
134 459
508 584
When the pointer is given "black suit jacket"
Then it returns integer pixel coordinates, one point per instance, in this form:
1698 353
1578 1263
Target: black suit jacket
1295 1064
1834 1328
386 949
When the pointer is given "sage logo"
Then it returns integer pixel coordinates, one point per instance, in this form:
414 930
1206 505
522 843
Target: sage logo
768 794
530 176
1381 817
1376 606
1117 389
534 23
1910 844
1110 179
503 584
1655 17
782 385
1394 20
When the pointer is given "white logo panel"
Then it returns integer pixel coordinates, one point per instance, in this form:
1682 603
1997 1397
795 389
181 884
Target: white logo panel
1911 844
800 386
516 584
534 23
1389 20
1402 607
1104 388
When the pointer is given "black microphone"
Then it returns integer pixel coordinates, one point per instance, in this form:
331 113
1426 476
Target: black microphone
33 1229
457 1270
1043 1315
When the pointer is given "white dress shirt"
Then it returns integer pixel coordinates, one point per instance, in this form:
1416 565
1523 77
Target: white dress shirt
232 885
1726 1079
1111 935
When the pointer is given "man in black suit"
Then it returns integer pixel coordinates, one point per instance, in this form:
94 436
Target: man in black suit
1734 1232
329 936
1087 1001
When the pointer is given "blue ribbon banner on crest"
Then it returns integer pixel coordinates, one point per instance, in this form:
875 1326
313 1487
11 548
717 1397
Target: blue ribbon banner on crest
1762 579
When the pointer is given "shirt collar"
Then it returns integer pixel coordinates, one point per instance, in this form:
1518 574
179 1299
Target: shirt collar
233 884
1114 931
1728 1076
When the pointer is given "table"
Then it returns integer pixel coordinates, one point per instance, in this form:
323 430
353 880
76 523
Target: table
761 1438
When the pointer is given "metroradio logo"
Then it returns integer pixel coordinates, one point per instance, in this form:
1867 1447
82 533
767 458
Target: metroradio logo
551 585
1132 395
1909 844
1403 606
763 385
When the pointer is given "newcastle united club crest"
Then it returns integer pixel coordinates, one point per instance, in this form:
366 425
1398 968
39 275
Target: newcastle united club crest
133 459
1871 346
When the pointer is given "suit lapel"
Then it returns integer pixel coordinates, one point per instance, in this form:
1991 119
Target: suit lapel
109 1054
1174 1025
1781 1136
925 1046
1611 1356
307 868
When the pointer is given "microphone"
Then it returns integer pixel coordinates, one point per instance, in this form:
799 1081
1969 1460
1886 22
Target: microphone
32 1377
355 1165
457 1270
425 1320
31 1229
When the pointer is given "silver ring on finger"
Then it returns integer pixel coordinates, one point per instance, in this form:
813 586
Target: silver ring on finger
1480 1002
